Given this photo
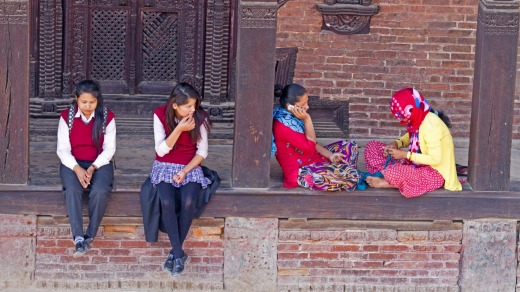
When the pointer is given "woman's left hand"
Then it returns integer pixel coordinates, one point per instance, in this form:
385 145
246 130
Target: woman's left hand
179 177
90 172
397 153
337 158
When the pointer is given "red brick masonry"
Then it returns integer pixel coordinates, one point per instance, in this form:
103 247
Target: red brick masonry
428 44
309 253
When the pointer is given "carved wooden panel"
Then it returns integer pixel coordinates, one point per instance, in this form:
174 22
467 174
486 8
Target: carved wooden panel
108 47
347 16
285 65
217 51
50 44
134 46
160 44
130 46
76 41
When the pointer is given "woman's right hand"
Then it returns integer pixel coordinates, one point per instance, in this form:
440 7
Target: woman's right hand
392 145
179 177
82 175
300 113
187 124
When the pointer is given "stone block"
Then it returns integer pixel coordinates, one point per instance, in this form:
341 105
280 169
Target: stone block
489 256
381 235
250 249
448 235
17 250
18 261
406 236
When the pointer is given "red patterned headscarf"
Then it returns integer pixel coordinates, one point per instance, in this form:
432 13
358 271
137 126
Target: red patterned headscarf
410 104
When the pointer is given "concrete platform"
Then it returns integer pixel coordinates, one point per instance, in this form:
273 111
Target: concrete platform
134 158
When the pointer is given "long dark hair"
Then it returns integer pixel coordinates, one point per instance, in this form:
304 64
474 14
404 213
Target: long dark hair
290 94
444 117
92 87
180 95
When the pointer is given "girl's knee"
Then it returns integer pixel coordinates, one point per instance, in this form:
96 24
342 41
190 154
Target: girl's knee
188 203
103 189
373 145
99 193
167 204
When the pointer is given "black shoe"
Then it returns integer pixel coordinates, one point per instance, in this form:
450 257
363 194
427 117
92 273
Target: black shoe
87 244
168 264
178 268
80 249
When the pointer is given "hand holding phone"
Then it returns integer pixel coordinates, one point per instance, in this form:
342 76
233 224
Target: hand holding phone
290 107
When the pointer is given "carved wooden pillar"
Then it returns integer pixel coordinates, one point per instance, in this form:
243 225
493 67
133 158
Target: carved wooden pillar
255 60
493 95
14 93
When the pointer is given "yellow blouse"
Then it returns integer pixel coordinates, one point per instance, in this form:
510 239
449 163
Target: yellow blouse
437 150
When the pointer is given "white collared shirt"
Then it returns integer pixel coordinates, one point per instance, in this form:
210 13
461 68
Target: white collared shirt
161 148
64 148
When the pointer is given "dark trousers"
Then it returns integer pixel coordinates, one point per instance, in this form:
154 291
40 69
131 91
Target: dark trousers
100 187
177 212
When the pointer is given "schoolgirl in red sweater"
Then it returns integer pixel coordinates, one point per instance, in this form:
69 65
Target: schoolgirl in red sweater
86 145
181 130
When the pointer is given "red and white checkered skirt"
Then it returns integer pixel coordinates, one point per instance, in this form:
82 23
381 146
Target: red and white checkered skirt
412 181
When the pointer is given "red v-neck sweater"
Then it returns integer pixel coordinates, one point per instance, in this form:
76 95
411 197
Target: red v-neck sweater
82 146
184 149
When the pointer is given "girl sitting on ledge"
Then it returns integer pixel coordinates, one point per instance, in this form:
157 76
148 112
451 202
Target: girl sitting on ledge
429 161
86 145
181 130
304 162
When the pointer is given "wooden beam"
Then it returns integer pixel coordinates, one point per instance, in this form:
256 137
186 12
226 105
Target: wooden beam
366 205
493 95
255 66
14 92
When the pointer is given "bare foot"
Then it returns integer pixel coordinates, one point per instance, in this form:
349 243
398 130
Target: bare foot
378 183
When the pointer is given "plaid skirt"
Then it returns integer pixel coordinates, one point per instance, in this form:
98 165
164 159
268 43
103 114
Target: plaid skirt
326 176
164 172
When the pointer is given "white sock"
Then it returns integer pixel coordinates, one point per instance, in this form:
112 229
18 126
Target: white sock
78 239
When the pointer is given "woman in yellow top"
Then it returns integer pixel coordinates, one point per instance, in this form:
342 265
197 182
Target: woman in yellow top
429 162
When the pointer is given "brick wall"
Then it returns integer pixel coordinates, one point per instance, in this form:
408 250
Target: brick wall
306 255
354 254
121 258
428 44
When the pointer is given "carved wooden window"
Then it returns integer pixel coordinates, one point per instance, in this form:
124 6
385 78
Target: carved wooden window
134 46
109 45
160 44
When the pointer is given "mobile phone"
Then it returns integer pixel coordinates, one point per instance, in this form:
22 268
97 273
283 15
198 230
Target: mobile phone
290 107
